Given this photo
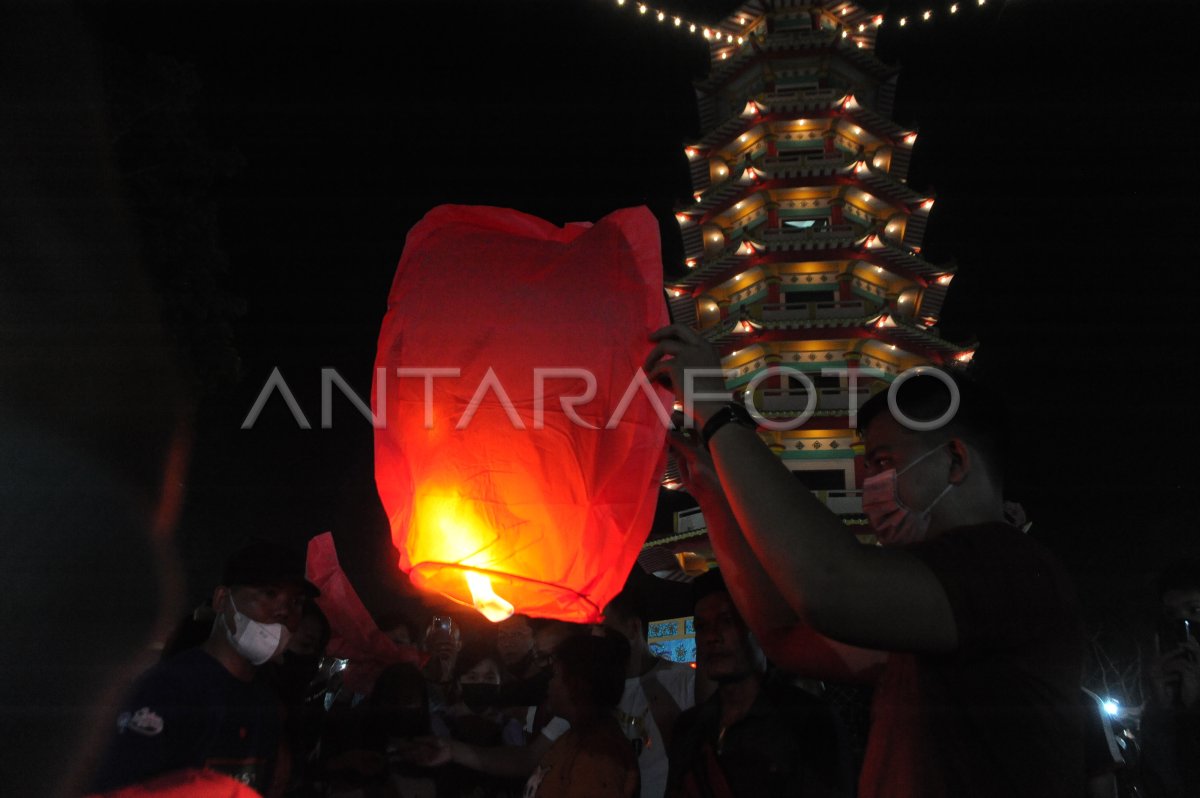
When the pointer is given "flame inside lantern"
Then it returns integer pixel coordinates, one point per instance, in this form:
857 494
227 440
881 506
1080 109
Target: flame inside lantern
490 606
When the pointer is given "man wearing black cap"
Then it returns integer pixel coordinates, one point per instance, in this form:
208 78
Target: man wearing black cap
208 707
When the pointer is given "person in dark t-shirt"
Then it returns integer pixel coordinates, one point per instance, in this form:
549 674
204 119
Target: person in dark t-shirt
968 627
759 734
209 707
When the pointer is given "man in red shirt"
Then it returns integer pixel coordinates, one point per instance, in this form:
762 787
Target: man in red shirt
968 628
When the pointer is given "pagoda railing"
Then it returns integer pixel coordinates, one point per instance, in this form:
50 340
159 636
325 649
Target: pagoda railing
842 502
792 238
811 311
776 400
795 158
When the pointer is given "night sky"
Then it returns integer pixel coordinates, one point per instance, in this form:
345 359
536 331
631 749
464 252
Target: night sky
307 138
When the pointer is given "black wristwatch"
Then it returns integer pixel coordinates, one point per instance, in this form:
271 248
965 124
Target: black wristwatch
734 412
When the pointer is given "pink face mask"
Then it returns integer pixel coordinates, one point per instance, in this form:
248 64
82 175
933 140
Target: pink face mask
894 523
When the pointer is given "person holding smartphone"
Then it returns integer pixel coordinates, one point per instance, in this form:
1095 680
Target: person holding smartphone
1171 724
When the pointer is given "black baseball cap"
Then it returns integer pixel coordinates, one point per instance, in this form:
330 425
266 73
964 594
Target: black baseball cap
266 563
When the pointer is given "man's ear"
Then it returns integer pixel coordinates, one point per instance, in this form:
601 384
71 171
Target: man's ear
961 460
220 599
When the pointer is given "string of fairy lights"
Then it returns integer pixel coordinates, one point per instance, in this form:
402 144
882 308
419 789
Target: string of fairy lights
865 28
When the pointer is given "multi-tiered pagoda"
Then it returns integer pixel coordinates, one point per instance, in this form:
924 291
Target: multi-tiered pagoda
803 243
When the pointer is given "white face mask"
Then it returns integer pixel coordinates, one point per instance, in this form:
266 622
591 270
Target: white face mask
257 642
896 524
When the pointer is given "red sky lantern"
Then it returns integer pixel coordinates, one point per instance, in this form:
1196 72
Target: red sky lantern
518 446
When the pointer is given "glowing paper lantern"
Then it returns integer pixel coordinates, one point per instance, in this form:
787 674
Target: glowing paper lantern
520 446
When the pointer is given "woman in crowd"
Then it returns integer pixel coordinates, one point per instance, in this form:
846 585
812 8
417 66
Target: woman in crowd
593 759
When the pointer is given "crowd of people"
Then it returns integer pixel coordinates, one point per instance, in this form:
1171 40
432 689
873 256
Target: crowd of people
964 627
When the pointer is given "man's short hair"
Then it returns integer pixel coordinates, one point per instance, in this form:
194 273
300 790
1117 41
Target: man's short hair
980 419
706 584
1182 575
594 669
626 606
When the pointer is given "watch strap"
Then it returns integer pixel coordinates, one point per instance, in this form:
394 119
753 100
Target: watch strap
733 412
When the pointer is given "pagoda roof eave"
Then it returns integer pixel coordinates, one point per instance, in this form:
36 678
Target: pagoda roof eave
910 338
911 267
753 49
719 198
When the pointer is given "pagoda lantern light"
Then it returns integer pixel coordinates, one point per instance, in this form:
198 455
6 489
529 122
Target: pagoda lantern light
522 446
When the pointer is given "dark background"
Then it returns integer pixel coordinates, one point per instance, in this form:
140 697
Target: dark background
273 155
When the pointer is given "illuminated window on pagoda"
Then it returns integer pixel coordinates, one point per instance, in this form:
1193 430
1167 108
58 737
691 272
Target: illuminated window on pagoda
673 639
806 224
804 293
821 478
802 145
797 81
790 22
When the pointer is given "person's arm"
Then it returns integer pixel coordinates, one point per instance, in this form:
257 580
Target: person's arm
862 595
515 762
786 640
